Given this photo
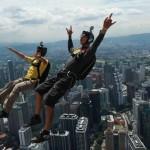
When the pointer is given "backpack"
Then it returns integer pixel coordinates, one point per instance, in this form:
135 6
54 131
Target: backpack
44 75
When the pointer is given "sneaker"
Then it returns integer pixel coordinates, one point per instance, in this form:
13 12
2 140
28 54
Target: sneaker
43 136
35 120
4 114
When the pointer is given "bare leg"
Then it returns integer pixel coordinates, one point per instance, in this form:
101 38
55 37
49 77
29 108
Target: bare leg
48 124
49 117
38 103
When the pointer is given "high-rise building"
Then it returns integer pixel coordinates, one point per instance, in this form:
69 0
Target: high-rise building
11 70
113 81
146 87
86 108
109 139
123 140
100 101
39 146
60 140
134 75
108 74
141 113
15 120
134 142
94 96
128 75
25 135
2 77
104 99
119 100
19 69
117 91
87 82
68 122
75 108
131 88
30 98
116 133
57 112
110 122
73 96
82 136
97 77
116 139
25 111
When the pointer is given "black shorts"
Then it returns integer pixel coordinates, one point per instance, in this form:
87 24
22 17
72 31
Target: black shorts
55 88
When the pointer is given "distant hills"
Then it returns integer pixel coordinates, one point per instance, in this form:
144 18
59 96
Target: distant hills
137 41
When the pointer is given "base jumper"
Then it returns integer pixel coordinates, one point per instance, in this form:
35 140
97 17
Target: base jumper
83 59
34 75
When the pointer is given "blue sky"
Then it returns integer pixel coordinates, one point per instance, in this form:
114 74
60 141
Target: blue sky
36 20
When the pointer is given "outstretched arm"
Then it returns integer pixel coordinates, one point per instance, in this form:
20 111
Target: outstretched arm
70 43
20 54
106 25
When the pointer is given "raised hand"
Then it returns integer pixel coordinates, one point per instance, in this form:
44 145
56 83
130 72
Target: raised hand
69 31
91 28
108 22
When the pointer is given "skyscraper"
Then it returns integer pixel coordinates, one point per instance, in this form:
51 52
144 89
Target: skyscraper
116 139
25 135
94 96
123 140
60 140
104 99
2 77
113 82
82 136
141 113
134 142
146 86
25 111
108 74
116 136
40 146
86 108
11 70
118 90
15 120
68 122
109 139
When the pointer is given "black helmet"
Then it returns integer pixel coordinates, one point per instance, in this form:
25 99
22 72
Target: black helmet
89 34
42 49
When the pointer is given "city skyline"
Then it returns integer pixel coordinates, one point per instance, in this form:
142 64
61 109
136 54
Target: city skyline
97 107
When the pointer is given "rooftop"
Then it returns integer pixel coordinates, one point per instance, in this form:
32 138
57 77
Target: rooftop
136 141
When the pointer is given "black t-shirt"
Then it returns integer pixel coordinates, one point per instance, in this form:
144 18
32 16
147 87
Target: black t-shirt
82 63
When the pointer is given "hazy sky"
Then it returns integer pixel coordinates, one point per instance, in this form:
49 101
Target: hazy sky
36 20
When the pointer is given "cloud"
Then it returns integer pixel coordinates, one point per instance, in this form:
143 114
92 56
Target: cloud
50 17
87 14
33 21
24 16
7 25
13 12
134 11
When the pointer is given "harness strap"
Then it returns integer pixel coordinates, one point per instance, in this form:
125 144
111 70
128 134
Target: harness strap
37 66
